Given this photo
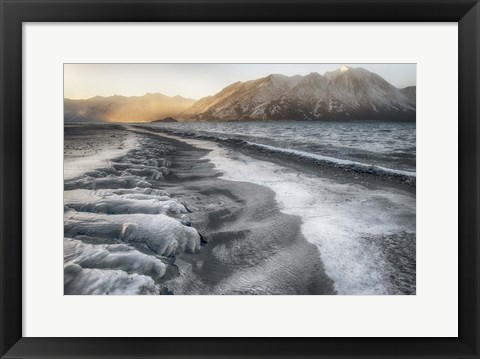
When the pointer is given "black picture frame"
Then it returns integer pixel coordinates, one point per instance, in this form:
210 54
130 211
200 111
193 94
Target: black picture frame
15 12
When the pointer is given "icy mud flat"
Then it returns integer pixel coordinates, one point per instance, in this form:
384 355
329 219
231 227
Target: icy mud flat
363 223
158 218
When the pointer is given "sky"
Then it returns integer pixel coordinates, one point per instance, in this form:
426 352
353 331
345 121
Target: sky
197 80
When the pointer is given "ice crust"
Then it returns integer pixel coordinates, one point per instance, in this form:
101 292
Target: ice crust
162 234
112 256
348 222
78 280
121 202
122 233
82 157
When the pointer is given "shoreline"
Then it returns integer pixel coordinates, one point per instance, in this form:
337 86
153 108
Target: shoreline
337 172
248 246
360 225
96 151
249 242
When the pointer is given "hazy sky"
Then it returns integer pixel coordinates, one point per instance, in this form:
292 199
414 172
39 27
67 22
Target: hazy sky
197 80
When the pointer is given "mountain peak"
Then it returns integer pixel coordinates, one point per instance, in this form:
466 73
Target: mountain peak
273 76
313 75
343 94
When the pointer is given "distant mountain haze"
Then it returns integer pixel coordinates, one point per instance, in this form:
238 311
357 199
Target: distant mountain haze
125 109
344 94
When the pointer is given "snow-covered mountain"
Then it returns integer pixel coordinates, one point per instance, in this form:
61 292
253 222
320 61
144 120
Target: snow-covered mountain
343 94
149 107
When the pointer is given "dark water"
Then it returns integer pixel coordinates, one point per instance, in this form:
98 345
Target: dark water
390 146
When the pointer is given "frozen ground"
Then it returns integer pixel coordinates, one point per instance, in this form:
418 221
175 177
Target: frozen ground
169 215
90 149
365 234
158 220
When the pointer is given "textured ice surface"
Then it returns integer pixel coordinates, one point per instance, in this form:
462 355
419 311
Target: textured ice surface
162 234
110 181
78 280
348 222
86 153
120 216
119 229
112 256
109 202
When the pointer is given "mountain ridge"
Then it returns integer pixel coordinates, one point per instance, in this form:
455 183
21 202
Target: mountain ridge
343 94
346 93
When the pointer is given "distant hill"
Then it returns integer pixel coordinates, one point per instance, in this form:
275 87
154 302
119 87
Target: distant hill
166 119
125 109
343 94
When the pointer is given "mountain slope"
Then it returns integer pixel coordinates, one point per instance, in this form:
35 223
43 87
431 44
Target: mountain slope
125 109
346 93
411 93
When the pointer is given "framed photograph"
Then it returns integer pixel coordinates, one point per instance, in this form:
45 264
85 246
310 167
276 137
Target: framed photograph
239 179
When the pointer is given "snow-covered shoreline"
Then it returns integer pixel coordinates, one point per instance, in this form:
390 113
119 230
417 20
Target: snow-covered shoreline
129 230
355 228
188 216
92 151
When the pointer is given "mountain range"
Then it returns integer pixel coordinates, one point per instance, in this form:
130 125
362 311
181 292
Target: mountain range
149 107
344 94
